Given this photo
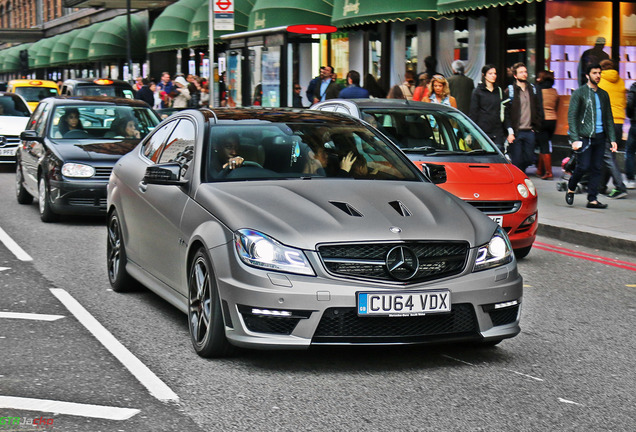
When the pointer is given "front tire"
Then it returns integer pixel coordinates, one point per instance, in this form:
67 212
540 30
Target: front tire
21 193
46 212
116 259
205 318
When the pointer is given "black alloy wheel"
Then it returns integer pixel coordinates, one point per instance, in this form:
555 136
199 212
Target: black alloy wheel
21 193
205 318
118 277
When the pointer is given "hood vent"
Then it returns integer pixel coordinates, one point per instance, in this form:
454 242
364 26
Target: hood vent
347 208
400 208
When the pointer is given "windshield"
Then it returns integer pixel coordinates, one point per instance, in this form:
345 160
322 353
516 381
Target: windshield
104 90
35 94
303 150
13 106
99 121
429 131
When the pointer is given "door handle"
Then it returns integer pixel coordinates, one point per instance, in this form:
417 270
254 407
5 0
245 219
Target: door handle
143 187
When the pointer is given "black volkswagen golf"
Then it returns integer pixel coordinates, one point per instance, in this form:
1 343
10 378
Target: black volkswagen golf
70 147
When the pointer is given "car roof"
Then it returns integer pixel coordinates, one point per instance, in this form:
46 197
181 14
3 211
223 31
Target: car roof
92 81
32 83
95 100
389 103
277 115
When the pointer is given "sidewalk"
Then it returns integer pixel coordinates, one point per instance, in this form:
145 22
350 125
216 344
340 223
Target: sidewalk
612 229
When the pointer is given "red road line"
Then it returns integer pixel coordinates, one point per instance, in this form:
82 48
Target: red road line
586 256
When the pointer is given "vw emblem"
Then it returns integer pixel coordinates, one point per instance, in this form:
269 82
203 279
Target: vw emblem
402 263
395 230
476 195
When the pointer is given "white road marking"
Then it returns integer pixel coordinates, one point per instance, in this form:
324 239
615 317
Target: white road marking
14 247
5 268
525 375
569 402
30 316
144 375
69 408
457 360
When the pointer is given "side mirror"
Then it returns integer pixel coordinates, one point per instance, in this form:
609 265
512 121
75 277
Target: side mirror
164 174
30 135
435 173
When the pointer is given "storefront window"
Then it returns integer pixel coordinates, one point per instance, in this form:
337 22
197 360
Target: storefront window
271 77
375 55
571 28
340 55
233 82
521 31
411 48
627 69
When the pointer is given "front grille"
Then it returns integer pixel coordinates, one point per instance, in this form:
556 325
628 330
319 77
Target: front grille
496 207
343 325
11 141
504 316
369 261
87 202
102 173
272 325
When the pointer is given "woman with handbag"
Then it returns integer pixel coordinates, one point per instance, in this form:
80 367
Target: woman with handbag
487 107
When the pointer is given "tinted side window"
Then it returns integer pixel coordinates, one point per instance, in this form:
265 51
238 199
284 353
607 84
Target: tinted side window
35 116
152 148
180 146
40 123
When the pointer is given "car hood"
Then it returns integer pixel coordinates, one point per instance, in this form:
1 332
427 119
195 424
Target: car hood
12 125
303 213
94 150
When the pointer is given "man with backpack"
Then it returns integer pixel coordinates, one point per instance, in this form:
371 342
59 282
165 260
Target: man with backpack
525 117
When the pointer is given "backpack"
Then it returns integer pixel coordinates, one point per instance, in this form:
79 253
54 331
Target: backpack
511 91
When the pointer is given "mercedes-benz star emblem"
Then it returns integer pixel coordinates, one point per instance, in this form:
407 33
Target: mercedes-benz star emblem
402 263
395 229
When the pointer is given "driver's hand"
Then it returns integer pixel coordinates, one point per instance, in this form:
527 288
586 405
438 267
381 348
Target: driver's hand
234 162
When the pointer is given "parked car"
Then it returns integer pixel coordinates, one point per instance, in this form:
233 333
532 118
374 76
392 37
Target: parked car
477 171
33 91
14 116
278 228
69 150
97 87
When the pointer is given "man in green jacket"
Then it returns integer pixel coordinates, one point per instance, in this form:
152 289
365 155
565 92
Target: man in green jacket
590 125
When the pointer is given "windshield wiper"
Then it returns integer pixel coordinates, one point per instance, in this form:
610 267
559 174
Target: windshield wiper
423 149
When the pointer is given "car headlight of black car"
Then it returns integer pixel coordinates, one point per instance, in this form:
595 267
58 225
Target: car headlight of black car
497 252
259 250
77 170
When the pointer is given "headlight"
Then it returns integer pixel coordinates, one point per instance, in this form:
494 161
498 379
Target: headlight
77 170
497 252
530 186
523 190
259 250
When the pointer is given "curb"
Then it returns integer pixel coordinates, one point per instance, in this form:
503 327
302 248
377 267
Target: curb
588 239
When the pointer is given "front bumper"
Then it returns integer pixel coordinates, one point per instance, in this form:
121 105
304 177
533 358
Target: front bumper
78 197
275 310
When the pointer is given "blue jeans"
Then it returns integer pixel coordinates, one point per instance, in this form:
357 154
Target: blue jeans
521 150
630 150
589 159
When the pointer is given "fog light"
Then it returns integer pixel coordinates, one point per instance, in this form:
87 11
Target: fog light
506 304
271 312
529 220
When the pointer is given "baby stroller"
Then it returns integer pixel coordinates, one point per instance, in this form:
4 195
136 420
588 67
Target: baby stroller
568 164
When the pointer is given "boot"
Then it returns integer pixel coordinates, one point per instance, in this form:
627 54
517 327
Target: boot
540 166
547 164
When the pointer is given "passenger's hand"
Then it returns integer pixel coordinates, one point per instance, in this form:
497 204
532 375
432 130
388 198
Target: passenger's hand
347 162
577 145
614 146
511 139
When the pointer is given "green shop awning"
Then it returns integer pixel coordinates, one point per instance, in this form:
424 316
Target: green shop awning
198 33
276 13
450 6
59 52
3 53
43 58
109 41
11 60
348 13
170 29
33 53
78 49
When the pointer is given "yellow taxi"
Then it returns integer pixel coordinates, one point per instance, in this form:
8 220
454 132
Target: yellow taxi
33 90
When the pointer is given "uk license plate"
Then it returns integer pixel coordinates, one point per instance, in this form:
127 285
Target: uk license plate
8 151
498 219
396 304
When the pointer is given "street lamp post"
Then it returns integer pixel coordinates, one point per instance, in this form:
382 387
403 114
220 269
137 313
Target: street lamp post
211 51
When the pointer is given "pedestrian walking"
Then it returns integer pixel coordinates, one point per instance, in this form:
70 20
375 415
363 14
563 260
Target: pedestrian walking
165 87
525 117
550 101
439 92
614 85
590 124
591 56
327 88
353 89
461 86
630 147
408 86
487 109
183 94
297 101
147 93
421 91
311 87
372 86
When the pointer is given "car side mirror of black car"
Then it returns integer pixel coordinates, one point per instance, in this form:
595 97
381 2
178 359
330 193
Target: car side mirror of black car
164 174
436 173
30 135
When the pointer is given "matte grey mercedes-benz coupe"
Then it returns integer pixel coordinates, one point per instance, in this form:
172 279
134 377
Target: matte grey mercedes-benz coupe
275 228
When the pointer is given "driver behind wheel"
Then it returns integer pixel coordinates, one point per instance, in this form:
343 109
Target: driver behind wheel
228 151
